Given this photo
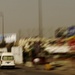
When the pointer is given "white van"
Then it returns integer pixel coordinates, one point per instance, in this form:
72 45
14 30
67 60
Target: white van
7 59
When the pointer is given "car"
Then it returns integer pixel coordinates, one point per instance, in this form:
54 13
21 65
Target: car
7 60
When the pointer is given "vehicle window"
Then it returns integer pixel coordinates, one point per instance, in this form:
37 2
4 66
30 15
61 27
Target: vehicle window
8 58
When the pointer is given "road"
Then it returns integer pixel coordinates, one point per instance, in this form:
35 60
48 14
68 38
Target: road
21 70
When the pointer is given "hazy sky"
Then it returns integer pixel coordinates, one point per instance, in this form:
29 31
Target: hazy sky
23 16
58 13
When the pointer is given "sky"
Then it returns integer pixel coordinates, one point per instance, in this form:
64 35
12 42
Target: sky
58 13
22 16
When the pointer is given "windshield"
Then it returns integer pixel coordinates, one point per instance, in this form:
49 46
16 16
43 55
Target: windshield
8 58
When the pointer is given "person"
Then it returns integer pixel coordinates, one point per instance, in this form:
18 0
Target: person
36 62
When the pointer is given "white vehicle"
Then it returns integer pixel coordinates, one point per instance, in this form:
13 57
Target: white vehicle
7 59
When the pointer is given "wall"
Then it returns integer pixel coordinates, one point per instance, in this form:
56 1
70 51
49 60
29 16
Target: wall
18 55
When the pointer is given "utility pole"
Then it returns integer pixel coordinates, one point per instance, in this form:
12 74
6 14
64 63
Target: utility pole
3 27
2 16
40 18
